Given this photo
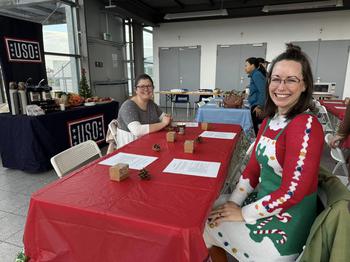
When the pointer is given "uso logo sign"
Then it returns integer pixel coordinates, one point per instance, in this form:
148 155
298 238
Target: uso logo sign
91 128
23 50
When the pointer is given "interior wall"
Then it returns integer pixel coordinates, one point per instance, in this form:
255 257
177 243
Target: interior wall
274 30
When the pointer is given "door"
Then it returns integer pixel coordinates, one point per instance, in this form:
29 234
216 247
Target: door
329 61
179 67
230 62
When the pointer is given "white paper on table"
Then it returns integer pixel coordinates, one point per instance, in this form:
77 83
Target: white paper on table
332 102
193 167
134 161
221 135
187 124
340 107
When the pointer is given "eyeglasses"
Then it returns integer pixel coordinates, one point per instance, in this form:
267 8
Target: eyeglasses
145 87
289 81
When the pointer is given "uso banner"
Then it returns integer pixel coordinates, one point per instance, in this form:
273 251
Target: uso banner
21 51
91 128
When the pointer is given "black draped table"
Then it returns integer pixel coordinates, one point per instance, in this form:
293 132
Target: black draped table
28 142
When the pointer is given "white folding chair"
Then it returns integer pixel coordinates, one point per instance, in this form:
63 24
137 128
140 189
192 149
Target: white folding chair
324 119
74 157
338 156
237 171
111 137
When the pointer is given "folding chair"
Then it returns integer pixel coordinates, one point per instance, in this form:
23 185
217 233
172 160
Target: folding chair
237 171
181 99
111 136
324 119
338 156
74 157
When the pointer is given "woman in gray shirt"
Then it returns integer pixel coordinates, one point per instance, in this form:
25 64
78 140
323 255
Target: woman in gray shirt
139 115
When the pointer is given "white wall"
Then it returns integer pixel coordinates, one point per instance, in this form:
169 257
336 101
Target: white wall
274 30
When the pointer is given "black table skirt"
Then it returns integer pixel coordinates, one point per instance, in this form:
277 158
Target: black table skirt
28 142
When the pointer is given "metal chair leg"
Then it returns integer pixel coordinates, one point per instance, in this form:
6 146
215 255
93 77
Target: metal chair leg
172 108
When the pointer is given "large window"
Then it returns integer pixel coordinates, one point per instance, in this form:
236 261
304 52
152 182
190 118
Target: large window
148 50
61 50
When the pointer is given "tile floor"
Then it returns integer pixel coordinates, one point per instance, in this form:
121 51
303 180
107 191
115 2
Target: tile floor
15 190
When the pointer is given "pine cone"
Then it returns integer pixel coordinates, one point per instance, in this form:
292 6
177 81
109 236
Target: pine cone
156 147
144 175
198 140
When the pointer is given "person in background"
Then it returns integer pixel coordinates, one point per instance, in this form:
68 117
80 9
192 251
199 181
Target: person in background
272 223
256 96
139 115
263 65
343 131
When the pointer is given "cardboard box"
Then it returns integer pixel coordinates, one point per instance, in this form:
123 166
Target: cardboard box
119 172
189 146
205 126
170 136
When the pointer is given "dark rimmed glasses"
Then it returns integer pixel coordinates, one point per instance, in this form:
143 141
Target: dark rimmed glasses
289 81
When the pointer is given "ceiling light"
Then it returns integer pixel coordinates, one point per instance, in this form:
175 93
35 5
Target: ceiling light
219 12
301 6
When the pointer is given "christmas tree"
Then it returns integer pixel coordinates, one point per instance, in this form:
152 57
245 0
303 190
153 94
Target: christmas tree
84 89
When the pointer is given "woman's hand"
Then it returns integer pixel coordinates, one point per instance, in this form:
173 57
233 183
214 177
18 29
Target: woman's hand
229 211
166 120
335 141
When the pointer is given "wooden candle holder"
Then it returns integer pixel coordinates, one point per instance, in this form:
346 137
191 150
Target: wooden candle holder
170 136
189 146
205 126
119 172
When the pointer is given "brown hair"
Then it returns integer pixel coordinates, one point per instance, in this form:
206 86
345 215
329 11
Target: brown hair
143 77
293 53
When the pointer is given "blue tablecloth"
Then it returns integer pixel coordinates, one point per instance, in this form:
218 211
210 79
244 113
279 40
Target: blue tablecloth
28 142
212 113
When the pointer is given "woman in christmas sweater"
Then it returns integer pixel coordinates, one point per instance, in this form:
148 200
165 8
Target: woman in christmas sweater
274 225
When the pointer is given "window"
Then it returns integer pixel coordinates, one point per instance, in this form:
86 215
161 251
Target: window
148 50
61 50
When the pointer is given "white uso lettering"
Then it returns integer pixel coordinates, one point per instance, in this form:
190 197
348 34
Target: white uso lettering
88 131
31 51
17 50
24 50
95 130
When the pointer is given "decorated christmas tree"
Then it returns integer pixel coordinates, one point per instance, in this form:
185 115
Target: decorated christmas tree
84 89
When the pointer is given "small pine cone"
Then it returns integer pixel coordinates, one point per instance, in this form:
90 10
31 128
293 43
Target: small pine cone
156 147
144 175
198 140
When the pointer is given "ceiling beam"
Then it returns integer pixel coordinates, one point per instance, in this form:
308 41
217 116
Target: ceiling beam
179 3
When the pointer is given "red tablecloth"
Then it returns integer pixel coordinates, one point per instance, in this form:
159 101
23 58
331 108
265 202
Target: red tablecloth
87 217
335 107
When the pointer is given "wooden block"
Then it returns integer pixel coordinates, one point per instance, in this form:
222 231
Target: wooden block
189 146
170 136
205 126
119 172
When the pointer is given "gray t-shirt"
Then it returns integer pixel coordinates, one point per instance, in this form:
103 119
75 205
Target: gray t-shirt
130 112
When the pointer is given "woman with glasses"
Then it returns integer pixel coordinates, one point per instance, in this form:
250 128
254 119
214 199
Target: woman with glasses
139 115
256 96
271 222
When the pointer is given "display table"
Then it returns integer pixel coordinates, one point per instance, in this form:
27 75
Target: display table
212 113
28 142
87 217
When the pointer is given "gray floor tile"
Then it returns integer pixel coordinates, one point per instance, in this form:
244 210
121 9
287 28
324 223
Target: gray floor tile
13 203
10 224
16 238
8 252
